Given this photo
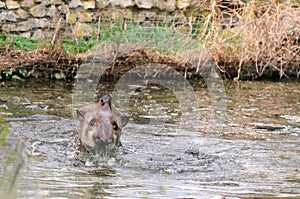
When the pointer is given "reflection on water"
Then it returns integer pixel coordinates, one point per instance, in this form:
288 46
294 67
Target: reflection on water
255 152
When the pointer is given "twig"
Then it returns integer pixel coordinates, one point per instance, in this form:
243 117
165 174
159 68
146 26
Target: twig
56 32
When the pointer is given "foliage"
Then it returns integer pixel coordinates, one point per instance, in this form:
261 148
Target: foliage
22 71
77 46
18 42
7 73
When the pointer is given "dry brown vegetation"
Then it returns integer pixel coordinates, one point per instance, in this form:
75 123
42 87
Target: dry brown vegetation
41 63
261 38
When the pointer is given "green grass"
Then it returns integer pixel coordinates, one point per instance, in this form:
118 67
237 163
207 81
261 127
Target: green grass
79 46
24 44
162 37
18 42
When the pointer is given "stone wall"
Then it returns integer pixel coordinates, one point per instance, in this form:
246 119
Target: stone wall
39 19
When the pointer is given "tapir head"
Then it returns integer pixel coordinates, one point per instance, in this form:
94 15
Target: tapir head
101 124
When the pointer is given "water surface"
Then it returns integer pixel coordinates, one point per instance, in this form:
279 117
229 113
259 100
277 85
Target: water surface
252 151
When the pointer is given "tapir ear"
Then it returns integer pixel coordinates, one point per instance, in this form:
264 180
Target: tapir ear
80 115
83 111
120 118
124 119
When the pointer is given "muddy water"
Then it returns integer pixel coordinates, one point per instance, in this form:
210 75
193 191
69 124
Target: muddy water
251 149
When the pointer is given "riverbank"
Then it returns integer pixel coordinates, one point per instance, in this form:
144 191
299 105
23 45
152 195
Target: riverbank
57 64
249 41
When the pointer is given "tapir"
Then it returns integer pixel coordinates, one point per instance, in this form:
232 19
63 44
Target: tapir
101 124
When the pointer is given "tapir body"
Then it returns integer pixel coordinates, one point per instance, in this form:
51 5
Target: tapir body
101 124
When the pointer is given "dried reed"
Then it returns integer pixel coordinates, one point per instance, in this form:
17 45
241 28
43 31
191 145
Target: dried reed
260 37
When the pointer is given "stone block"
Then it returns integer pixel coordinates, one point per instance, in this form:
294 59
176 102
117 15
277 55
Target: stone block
56 2
25 25
63 8
144 4
27 3
46 2
181 4
102 3
6 28
26 35
71 18
11 4
83 29
48 34
75 4
52 11
2 4
11 16
168 5
38 35
8 16
85 16
39 10
31 24
89 5
22 14
127 3
114 2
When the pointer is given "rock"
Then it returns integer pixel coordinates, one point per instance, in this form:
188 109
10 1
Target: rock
56 20
126 3
22 14
168 5
38 35
83 29
11 4
27 3
117 15
84 16
75 3
114 3
31 24
59 76
71 18
39 10
88 5
8 27
52 11
46 2
102 3
11 16
41 23
2 4
3 16
25 25
144 4
55 2
8 16
181 4
48 34
26 35
16 77
63 8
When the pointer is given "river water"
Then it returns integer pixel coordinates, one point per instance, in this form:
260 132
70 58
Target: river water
244 144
